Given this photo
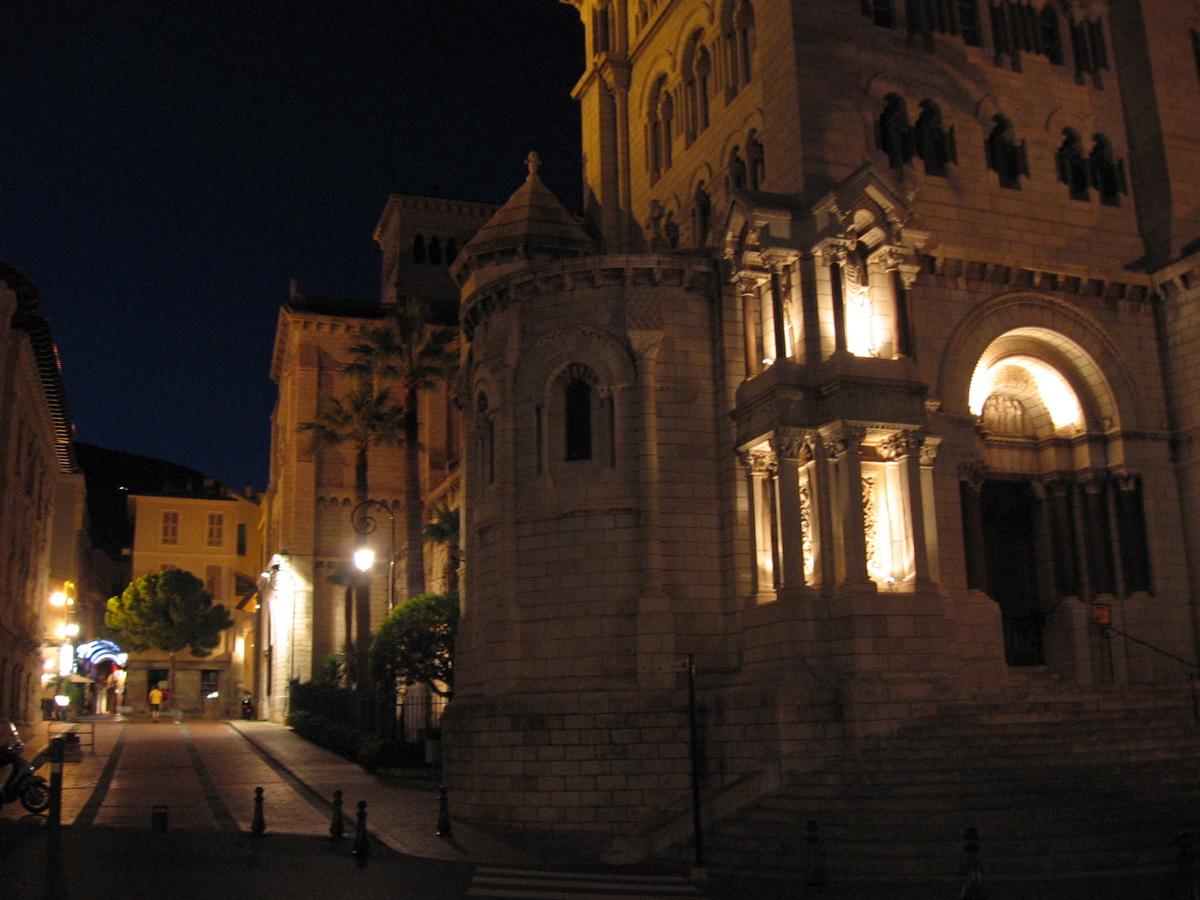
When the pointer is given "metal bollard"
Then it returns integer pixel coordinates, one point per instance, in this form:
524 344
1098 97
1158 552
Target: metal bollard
444 828
362 841
973 887
817 874
158 818
259 825
337 828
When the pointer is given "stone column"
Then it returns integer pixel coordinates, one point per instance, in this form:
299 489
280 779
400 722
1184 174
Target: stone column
971 475
821 494
616 77
789 447
810 311
1081 546
839 305
905 448
655 633
846 442
777 314
754 350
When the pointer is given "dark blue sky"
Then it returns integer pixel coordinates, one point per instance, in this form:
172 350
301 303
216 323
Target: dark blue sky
166 167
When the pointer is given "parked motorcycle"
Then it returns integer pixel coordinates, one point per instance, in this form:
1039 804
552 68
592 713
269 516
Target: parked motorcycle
22 783
247 707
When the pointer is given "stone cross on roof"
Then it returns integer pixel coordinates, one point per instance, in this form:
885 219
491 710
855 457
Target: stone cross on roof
533 161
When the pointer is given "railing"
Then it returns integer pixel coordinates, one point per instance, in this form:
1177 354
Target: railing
1108 632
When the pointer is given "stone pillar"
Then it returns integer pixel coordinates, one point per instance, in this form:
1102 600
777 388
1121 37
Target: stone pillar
971 475
620 86
821 494
810 311
905 448
1081 544
759 469
655 626
777 315
789 446
754 349
839 306
846 442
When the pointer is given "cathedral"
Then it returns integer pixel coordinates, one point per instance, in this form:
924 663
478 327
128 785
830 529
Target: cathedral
865 385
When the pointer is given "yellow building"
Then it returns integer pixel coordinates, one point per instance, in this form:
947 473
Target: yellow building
212 533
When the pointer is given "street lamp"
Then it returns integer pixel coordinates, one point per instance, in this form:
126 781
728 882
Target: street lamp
364 556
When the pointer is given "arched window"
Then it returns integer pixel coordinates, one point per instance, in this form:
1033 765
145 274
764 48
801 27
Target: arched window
1051 34
1005 156
435 251
756 161
701 214
1108 173
451 250
1072 167
893 134
744 22
659 113
935 145
703 71
578 419
692 88
737 169
418 249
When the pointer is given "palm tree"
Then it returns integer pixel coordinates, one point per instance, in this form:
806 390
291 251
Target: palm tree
363 419
414 356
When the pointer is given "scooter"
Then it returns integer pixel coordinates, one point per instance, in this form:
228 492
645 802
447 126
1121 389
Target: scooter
22 783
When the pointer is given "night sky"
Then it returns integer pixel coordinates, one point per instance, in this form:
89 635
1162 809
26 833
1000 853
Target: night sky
167 167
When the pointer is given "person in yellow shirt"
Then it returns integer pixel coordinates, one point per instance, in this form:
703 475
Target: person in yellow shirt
155 697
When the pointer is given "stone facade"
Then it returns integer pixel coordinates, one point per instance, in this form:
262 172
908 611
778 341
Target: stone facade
307 532
40 493
867 376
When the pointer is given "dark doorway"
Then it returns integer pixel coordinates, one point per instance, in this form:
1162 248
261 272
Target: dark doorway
1008 511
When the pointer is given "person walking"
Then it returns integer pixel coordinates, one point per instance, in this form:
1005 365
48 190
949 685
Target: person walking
156 698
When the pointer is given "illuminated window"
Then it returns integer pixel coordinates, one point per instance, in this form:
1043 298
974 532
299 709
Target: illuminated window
216 529
170 528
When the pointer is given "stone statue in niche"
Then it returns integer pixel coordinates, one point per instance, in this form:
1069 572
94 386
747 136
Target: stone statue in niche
702 211
654 226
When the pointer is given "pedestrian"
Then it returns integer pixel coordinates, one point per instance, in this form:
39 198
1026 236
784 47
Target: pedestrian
156 698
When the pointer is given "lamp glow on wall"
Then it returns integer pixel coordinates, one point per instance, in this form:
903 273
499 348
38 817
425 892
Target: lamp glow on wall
860 322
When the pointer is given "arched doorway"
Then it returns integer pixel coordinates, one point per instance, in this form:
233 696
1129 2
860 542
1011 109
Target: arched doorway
1050 514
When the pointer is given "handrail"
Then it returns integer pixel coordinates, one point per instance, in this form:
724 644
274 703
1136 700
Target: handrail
1107 632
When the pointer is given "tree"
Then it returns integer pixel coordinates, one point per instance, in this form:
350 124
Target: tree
415 357
443 529
365 418
169 610
415 643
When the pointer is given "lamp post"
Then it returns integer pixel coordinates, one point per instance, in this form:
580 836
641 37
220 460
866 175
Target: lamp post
364 556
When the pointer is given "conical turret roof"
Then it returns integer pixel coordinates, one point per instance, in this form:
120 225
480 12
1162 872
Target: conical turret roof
533 223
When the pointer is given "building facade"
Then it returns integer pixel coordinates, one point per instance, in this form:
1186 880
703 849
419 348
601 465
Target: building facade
213 534
41 494
866 380
307 529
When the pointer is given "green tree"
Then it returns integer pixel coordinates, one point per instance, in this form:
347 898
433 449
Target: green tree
415 643
365 418
415 356
169 610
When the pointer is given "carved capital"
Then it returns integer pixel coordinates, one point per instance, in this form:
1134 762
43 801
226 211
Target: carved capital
842 439
646 344
791 443
759 462
929 450
973 471
901 444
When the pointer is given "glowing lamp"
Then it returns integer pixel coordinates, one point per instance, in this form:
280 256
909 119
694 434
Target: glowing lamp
62 701
364 558
58 598
72 629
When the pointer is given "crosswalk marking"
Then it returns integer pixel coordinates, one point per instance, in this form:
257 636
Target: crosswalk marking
555 884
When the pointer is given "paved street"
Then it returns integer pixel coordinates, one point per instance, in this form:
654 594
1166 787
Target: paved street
205 774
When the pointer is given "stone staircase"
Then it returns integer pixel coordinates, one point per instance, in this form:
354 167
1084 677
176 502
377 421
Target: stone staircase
1059 784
